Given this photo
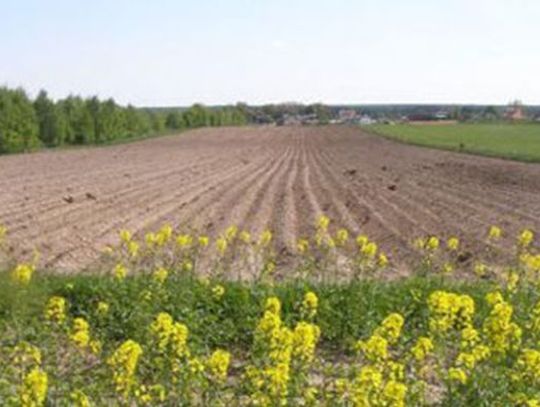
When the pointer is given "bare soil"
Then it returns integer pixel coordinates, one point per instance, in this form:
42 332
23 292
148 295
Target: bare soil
70 204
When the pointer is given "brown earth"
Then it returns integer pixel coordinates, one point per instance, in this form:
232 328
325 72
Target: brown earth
70 204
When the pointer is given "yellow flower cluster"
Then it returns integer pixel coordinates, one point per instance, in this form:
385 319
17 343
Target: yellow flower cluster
429 244
33 391
123 363
525 238
55 310
422 348
265 239
80 336
494 233
501 333
527 368
79 399
184 241
221 245
160 275
305 338
342 236
452 244
120 272
282 351
218 365
103 308
26 354
449 311
22 274
390 328
218 291
310 304
380 382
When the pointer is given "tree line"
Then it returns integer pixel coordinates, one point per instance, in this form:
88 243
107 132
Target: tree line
27 124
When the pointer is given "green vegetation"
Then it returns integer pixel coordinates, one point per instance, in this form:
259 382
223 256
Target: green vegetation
347 311
514 141
141 334
27 125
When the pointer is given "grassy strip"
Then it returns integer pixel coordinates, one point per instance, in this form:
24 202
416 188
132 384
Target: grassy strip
519 142
347 311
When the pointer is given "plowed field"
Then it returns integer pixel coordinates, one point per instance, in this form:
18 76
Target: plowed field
70 204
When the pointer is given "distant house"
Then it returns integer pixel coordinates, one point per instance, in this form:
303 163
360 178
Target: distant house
442 115
366 120
515 112
347 116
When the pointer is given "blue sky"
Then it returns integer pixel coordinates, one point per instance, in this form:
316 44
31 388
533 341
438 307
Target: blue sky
167 52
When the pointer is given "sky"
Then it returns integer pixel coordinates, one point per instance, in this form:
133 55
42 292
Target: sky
178 52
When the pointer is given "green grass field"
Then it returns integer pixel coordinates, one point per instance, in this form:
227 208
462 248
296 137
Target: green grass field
514 141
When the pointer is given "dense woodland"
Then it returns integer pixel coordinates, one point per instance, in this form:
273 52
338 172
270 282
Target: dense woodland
27 124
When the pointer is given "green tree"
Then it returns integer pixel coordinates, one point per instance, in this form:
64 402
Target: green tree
51 120
18 122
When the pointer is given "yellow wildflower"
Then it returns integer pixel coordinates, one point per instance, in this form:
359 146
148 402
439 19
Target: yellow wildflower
79 399
374 349
80 333
150 239
390 328
383 260
162 329
22 274
230 233
133 248
218 364
452 244
322 223
468 360
125 236
456 374
310 304
33 391
480 269
164 235
525 238
195 365
449 311
26 354
394 394
305 338
528 366
245 237
184 241
203 241
302 246
369 250
160 275
512 281
55 310
124 365
221 244
266 238
342 236
448 268
362 240
218 291
469 337
432 243
501 333
422 348
120 271
494 233
494 298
